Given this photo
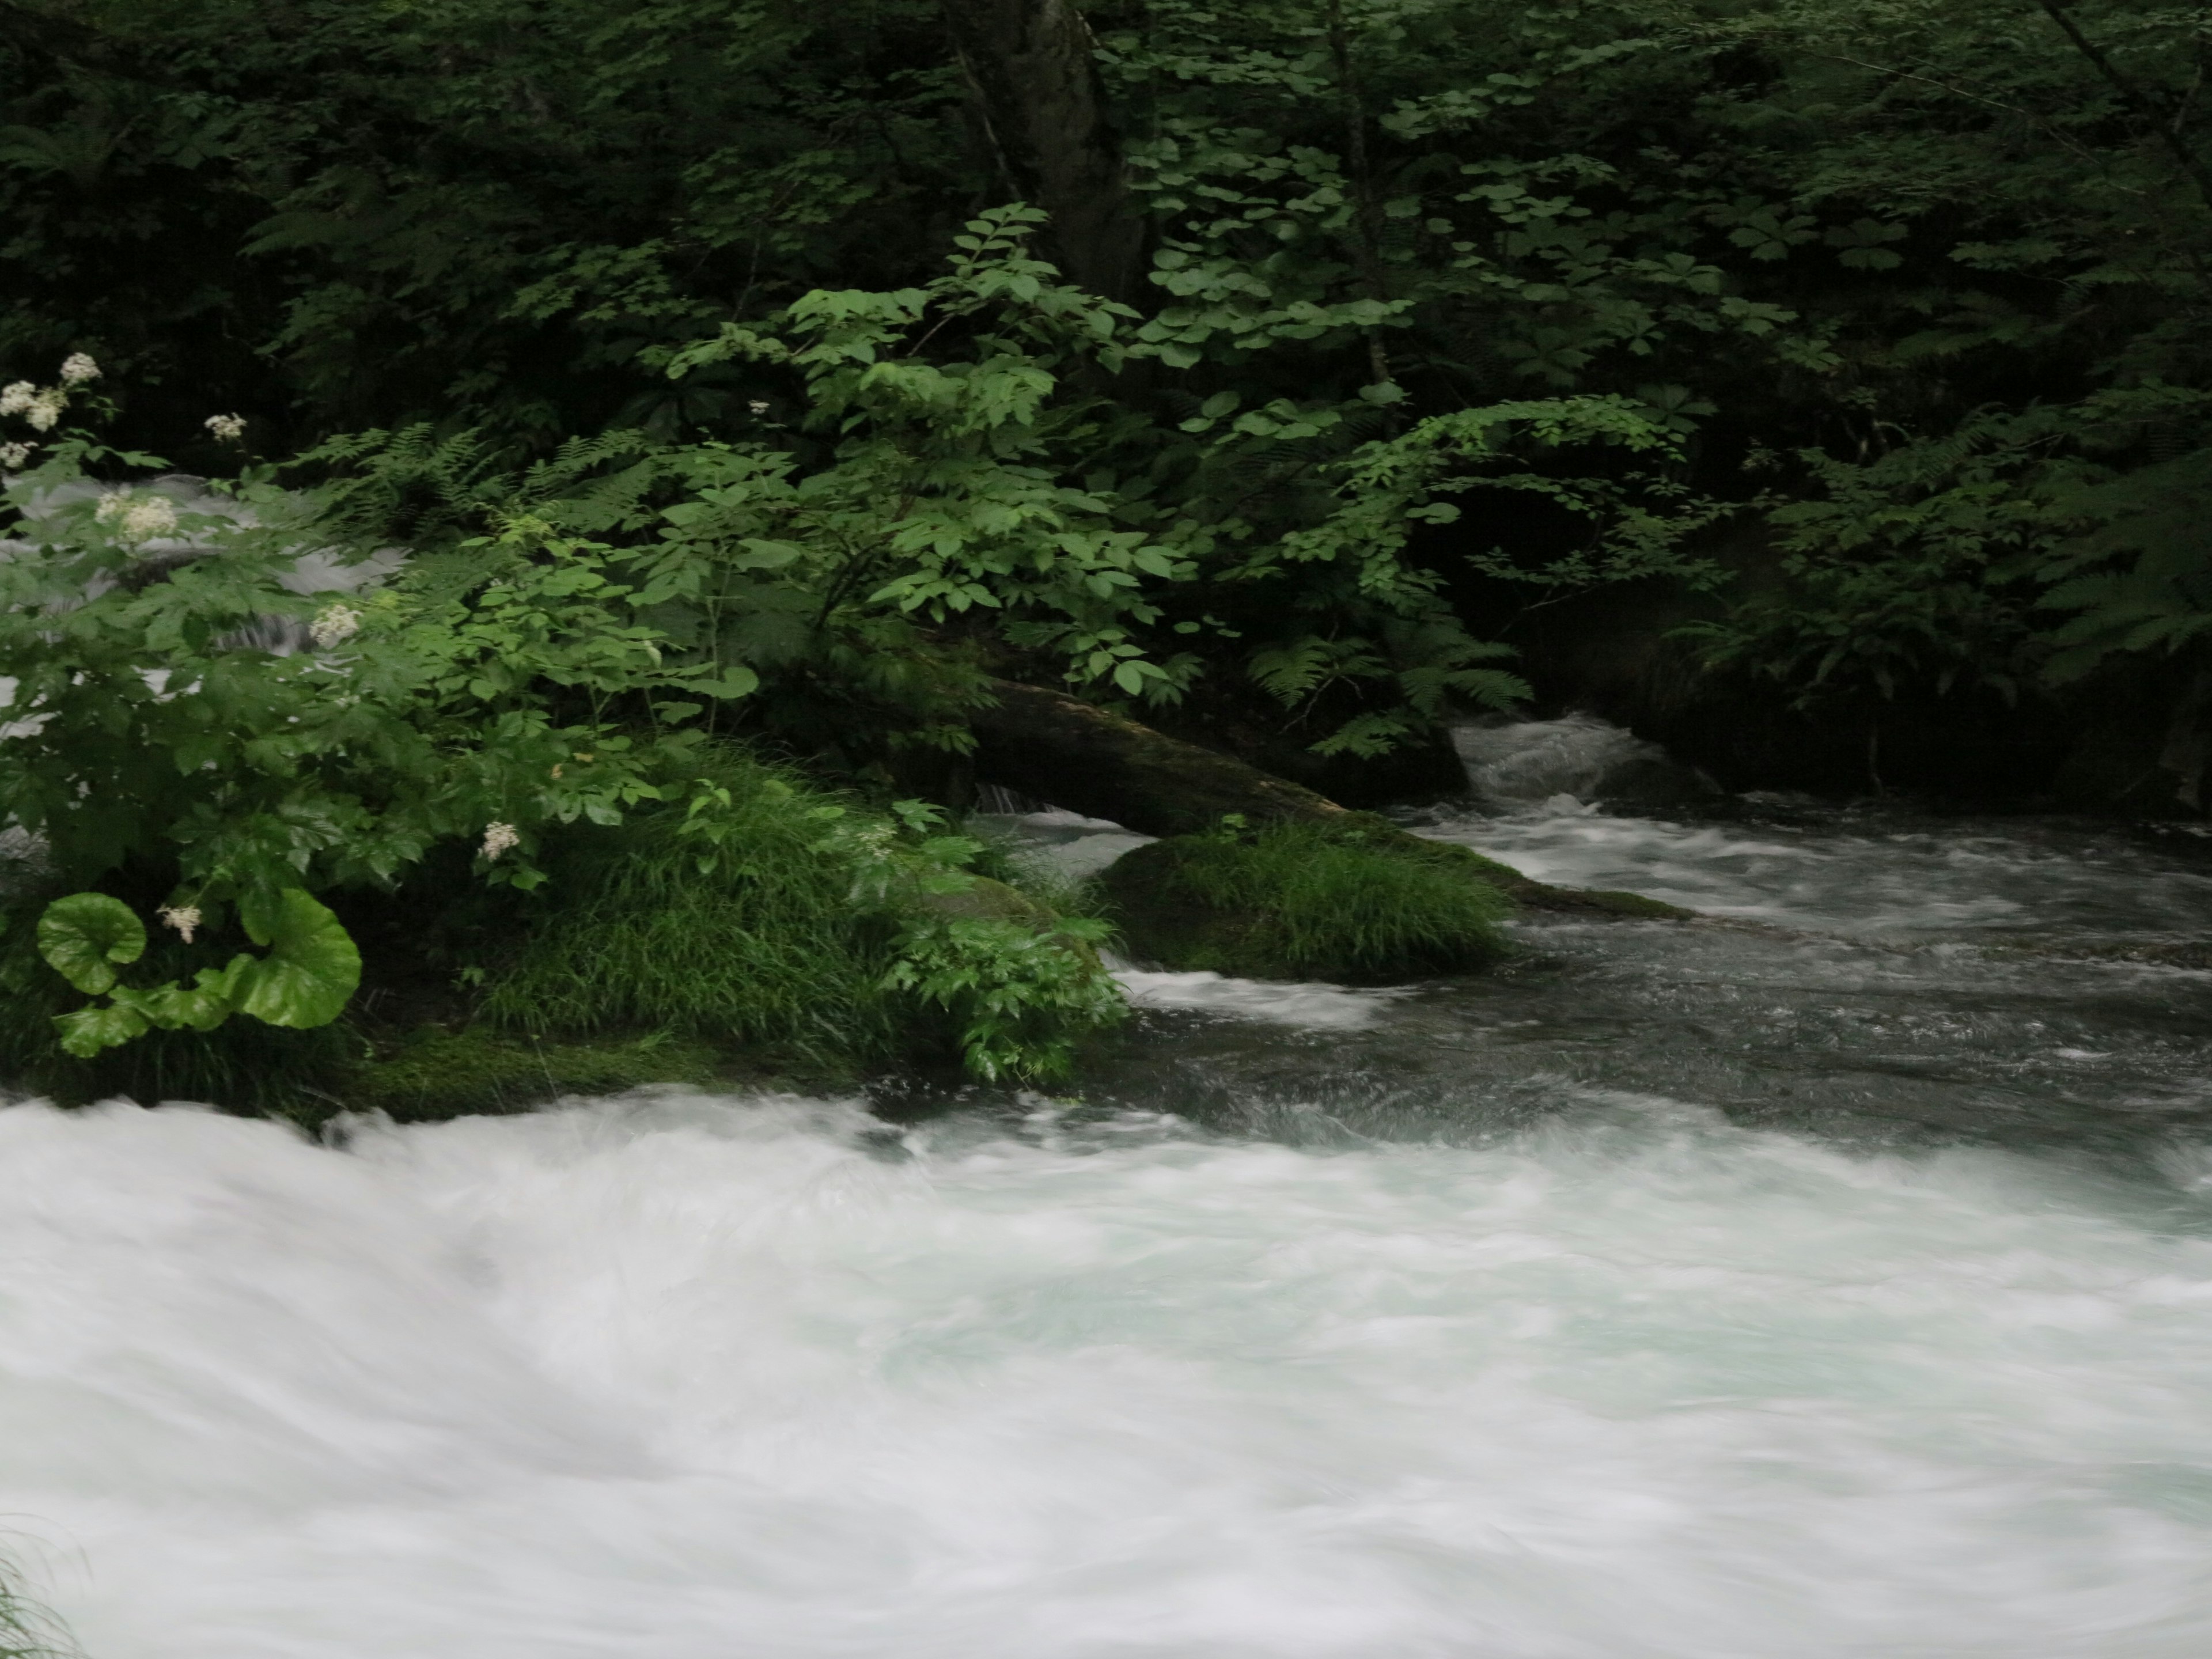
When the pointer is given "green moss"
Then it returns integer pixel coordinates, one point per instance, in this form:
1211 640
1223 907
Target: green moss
1358 901
434 1073
1630 904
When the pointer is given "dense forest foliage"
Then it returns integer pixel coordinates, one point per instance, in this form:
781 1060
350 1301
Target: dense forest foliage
1822 387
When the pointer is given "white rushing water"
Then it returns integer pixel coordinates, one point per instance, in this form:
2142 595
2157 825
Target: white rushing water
693 1377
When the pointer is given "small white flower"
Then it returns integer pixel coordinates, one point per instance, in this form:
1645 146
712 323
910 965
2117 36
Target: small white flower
13 455
499 838
182 917
137 518
46 408
16 396
333 624
759 405
77 369
228 428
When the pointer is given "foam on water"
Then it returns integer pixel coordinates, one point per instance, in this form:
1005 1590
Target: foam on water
687 1376
1313 1007
1868 874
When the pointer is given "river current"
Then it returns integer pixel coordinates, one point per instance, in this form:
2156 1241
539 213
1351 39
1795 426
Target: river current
1829 1277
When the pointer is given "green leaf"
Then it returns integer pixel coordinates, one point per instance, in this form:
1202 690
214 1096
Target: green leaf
79 936
312 967
103 1025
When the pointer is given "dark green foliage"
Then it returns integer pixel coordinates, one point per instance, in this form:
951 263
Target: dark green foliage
243 1064
333 216
1351 902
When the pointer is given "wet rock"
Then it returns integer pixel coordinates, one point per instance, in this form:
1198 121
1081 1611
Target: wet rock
1527 762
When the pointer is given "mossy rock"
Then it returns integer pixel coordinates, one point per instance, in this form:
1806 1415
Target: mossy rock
1358 901
434 1073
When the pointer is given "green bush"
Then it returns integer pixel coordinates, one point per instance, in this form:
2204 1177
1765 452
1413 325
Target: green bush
1359 902
769 915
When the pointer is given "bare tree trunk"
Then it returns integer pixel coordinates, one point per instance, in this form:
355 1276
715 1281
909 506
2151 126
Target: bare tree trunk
1037 82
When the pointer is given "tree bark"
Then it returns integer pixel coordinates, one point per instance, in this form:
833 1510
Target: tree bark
1037 82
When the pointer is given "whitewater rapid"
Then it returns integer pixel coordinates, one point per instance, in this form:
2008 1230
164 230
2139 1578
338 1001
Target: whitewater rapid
684 1376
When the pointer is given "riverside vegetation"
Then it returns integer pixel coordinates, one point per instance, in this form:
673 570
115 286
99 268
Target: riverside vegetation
755 387
1308 352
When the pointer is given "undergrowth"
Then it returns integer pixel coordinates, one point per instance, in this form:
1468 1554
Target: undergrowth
769 915
754 939
749 923
241 1063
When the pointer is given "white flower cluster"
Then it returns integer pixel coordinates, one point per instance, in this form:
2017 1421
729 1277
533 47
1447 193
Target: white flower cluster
227 428
40 406
500 838
137 518
182 917
13 455
334 624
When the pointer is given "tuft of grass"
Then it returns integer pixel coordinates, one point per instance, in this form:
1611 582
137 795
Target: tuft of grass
28 1631
1308 900
754 940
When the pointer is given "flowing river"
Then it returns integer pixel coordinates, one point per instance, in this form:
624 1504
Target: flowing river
1831 1277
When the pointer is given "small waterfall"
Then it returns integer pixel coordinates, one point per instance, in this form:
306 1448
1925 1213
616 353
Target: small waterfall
1576 761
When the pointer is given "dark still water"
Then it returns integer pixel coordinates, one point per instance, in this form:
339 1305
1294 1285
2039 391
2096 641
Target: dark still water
1831 1278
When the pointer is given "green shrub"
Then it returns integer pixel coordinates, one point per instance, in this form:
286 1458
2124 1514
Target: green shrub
1358 901
770 916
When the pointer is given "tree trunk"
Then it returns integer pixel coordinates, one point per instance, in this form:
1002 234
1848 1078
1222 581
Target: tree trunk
1029 62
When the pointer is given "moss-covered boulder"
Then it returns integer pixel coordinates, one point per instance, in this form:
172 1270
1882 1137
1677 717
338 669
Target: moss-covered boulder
434 1073
1358 901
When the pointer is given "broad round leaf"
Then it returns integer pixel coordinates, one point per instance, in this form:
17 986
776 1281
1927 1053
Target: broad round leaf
103 1025
312 970
79 936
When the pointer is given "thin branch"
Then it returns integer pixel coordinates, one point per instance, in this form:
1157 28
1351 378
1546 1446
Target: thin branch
2135 98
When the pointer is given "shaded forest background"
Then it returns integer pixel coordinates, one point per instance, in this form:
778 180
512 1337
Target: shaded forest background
1918 293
